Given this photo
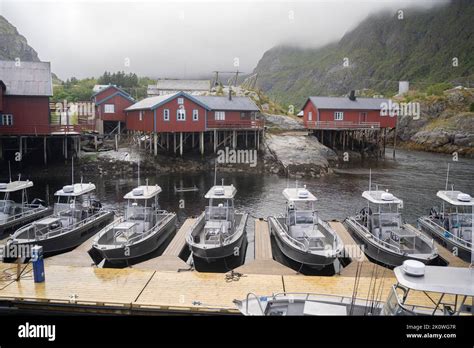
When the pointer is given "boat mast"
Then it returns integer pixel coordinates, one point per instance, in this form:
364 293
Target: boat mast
10 171
138 179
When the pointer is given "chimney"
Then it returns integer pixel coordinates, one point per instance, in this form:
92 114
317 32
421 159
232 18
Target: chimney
352 95
230 93
403 87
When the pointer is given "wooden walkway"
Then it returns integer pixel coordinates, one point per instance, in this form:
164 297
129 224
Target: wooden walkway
263 263
170 259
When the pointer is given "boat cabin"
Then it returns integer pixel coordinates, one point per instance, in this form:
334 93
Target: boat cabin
456 216
385 221
140 213
219 214
10 205
75 203
449 289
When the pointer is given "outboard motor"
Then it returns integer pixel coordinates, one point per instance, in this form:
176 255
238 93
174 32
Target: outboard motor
38 202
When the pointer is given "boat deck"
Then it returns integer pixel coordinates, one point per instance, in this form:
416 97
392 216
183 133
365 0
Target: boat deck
148 290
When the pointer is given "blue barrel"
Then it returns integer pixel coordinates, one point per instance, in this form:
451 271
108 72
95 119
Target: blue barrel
38 263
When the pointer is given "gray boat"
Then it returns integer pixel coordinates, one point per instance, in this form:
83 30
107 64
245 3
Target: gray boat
219 231
141 231
384 236
302 235
452 226
14 214
420 290
77 216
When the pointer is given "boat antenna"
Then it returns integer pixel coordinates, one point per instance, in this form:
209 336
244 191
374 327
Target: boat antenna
10 171
72 169
215 173
138 172
222 181
447 177
370 179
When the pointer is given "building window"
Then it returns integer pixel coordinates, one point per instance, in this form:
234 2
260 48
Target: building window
338 116
363 116
310 116
166 114
195 115
7 119
181 114
140 115
180 101
109 108
219 116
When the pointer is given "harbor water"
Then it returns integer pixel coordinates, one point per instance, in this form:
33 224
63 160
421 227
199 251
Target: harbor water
415 177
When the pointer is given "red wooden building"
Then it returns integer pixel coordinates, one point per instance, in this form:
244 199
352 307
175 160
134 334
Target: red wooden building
346 113
25 88
110 104
181 115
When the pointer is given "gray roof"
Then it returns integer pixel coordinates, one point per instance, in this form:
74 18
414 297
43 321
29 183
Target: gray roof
150 102
182 85
346 103
223 103
29 78
448 280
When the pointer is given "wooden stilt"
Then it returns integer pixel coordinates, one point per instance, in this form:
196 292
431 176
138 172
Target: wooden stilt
45 153
180 143
215 140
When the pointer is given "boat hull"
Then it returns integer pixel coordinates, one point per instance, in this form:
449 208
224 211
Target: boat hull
380 254
141 248
461 251
11 226
71 239
311 260
215 253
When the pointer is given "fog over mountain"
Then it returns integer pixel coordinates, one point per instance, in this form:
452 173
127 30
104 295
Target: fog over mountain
179 39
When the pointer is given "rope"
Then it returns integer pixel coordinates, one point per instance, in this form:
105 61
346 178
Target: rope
233 276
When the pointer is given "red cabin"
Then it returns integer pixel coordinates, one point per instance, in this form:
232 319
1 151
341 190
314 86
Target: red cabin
110 104
347 113
181 112
25 88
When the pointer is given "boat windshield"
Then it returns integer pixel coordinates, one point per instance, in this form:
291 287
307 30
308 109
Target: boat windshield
138 212
461 220
390 219
219 209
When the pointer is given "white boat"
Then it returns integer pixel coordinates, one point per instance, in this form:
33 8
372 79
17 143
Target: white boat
219 231
386 238
301 234
15 211
141 231
77 216
452 226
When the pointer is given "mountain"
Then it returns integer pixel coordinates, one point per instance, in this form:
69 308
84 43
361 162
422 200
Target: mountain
13 45
381 50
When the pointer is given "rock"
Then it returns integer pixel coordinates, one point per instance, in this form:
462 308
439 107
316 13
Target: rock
300 155
283 122
432 138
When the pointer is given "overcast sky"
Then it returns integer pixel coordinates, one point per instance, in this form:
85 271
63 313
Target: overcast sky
185 39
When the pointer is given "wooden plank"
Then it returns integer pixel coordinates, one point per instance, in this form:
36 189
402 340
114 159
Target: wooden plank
350 245
178 243
169 263
263 246
82 284
204 290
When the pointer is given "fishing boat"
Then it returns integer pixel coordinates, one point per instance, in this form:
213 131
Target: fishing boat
301 234
452 226
141 231
384 236
76 217
420 290
15 213
219 231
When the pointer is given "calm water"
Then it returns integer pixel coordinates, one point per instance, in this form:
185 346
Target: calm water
413 176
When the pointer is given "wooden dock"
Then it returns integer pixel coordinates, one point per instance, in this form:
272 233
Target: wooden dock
156 287
264 262
170 259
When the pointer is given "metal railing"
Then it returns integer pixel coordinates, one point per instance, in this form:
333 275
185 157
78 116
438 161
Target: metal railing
235 124
145 234
443 231
30 210
378 240
340 124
